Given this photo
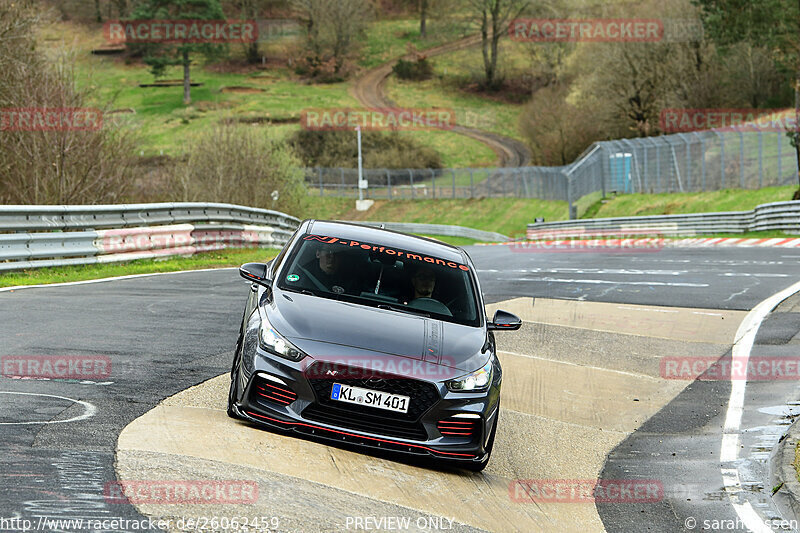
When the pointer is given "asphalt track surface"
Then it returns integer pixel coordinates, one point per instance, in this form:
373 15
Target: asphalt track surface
166 333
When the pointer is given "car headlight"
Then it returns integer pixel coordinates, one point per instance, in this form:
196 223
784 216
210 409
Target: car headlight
477 381
271 341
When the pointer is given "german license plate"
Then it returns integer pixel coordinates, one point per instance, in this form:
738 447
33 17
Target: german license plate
371 398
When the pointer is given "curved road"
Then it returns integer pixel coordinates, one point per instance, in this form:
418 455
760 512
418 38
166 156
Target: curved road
369 90
582 398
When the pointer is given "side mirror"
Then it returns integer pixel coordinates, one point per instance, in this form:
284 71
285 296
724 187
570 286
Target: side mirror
503 320
256 273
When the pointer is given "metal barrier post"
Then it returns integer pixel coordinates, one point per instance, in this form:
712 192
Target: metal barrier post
658 168
741 159
703 161
411 181
760 159
721 159
471 184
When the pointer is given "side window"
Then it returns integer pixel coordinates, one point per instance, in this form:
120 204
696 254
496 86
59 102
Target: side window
275 263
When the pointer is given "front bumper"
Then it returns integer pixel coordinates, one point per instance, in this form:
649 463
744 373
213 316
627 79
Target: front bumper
279 394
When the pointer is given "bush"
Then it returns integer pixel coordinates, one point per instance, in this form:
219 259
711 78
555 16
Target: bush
53 167
244 165
380 150
418 70
557 130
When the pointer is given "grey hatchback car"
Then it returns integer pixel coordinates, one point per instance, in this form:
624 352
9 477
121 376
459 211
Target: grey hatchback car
374 338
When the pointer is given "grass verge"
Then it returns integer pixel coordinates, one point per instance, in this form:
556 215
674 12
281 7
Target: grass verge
508 216
627 205
216 259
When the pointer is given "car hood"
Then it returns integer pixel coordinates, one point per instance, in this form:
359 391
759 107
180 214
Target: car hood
331 329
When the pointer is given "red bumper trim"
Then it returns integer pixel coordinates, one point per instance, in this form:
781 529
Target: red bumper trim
358 436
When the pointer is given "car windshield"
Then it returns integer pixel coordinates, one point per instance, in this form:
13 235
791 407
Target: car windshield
379 276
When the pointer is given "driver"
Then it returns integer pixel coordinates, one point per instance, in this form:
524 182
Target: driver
423 282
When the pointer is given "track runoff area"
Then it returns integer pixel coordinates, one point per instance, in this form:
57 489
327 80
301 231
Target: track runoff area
621 408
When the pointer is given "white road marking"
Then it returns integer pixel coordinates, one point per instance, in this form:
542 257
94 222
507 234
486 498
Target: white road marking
607 282
754 274
620 271
647 309
103 280
623 372
88 412
729 450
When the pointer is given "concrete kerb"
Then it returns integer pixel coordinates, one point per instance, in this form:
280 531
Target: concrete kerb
784 475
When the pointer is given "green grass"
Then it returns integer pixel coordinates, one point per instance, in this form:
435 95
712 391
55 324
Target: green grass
216 259
166 126
455 241
508 216
471 110
697 202
388 39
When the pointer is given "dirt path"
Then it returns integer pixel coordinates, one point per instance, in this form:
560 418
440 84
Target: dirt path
369 90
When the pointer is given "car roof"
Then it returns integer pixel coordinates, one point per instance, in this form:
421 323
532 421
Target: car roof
384 237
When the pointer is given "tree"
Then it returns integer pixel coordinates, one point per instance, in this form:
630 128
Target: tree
557 130
774 24
122 7
423 18
493 17
331 28
67 165
253 10
159 56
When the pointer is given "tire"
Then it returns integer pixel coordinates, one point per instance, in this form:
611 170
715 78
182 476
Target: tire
478 467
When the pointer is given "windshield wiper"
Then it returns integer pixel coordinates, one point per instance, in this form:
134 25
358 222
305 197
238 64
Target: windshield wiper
402 310
300 291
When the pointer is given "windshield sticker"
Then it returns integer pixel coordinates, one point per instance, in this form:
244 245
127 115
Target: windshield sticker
292 277
385 250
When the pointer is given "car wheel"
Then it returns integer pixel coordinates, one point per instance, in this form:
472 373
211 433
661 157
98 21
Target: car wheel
478 467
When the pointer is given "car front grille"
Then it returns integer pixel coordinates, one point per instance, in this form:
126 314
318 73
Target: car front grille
422 396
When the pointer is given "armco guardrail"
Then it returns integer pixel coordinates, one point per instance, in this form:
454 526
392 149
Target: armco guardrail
778 216
438 229
45 236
